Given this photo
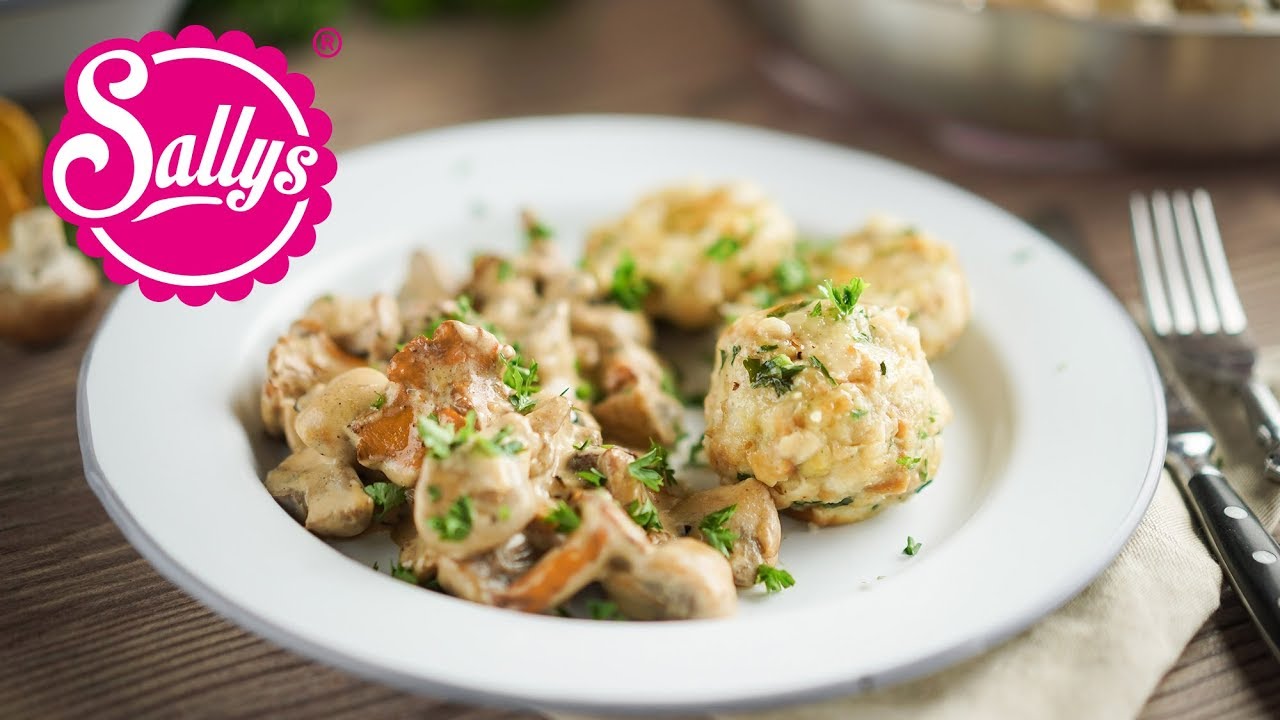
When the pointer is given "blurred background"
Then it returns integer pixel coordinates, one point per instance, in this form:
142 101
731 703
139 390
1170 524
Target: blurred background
1053 109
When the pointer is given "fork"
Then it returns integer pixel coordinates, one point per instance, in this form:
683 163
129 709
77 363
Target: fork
1193 305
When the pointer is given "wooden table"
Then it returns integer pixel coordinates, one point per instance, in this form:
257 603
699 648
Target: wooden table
88 628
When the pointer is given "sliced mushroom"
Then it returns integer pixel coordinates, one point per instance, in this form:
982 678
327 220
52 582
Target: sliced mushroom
678 580
369 328
325 495
615 465
484 578
415 554
425 285
322 422
478 497
46 287
304 358
455 371
755 522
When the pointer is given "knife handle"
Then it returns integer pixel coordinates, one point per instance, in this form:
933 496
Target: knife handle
1248 553
1264 414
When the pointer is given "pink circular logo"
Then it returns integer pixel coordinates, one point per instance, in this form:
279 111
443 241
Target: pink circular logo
192 165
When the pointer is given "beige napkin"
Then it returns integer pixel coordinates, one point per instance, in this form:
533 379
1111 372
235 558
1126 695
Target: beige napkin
1102 654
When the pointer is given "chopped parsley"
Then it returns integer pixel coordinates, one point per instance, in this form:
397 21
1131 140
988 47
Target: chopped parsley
564 518
592 476
814 361
778 372
858 414
386 497
645 514
505 271
768 348
926 484
818 503
844 297
604 610
535 231
670 385
724 358
586 392
774 579
651 469
909 462
791 276
723 248
455 524
464 313
734 358
696 449
912 547
628 289
523 382
378 402
884 369
715 533
442 439
500 444
400 572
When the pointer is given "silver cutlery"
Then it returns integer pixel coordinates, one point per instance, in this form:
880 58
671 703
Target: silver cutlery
1248 553
1193 304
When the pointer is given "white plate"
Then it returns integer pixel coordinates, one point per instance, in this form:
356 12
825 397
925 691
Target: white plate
1050 463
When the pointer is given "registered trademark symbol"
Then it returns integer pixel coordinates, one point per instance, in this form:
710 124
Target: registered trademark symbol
327 42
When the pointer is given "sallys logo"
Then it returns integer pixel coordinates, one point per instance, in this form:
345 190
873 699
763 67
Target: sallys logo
192 165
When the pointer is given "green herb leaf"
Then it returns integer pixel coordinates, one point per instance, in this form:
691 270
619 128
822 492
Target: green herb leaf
778 372
908 462
926 484
734 358
645 514
814 361
819 503
604 610
715 533
651 469
386 497
858 414
884 369
523 382
455 524
505 271
500 444
912 547
723 248
791 276
400 572
696 449
564 518
535 231
592 476
774 579
628 289
441 439
378 402
844 297
785 308
464 313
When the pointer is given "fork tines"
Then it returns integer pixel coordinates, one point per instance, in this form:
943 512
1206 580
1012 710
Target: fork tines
1183 267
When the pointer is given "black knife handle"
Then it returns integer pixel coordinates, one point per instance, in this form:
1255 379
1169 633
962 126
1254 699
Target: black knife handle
1248 553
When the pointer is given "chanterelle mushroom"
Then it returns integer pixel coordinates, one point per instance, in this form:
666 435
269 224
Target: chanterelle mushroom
369 327
754 522
325 495
46 287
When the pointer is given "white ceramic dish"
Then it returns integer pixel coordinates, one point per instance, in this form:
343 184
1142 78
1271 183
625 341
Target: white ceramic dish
1050 463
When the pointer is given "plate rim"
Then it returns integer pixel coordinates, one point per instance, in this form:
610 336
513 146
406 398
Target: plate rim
998 633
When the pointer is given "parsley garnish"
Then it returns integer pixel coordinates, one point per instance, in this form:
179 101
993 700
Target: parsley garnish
505 271
651 469
586 392
386 497
774 579
378 402
604 610
819 503
696 448
535 230
523 382
724 358
500 444
628 289
926 484
715 533
791 276
455 524
592 476
785 308
908 462
723 248
814 361
768 348
400 572
564 518
465 314
645 514
884 369
736 349
844 297
912 547
441 440
858 414
777 372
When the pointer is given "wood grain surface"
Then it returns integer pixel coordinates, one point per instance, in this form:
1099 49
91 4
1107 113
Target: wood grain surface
88 629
